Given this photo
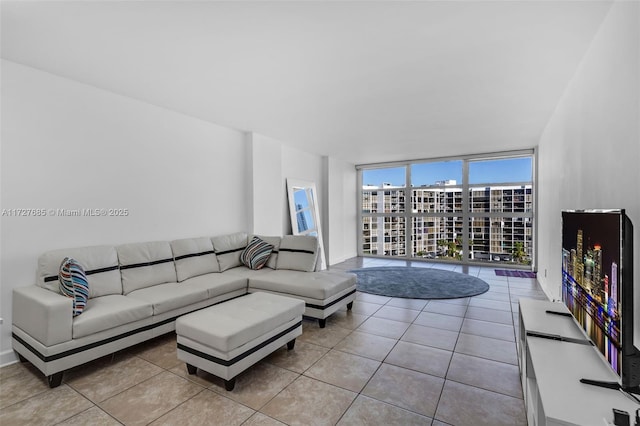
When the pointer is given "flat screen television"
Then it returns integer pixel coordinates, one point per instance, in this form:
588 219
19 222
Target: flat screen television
598 286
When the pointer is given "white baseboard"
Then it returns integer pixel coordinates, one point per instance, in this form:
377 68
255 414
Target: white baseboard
342 259
339 260
8 357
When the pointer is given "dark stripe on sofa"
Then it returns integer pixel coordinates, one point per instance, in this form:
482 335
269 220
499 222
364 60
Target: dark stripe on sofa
54 357
228 363
97 271
93 271
139 265
297 250
310 305
219 253
204 253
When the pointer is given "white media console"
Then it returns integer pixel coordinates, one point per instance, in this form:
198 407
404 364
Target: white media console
551 368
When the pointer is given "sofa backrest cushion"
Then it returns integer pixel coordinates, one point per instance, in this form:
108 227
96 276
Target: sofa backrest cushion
275 242
228 249
298 253
193 257
145 264
100 265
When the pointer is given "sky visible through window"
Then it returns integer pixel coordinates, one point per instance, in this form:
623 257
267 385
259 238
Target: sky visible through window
304 214
486 171
300 198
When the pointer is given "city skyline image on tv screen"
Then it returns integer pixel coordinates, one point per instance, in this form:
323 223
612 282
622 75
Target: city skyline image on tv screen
591 285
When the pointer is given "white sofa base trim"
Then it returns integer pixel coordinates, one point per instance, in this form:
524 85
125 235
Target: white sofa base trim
53 367
321 312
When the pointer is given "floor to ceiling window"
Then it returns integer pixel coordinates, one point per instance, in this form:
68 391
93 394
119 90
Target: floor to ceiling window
466 209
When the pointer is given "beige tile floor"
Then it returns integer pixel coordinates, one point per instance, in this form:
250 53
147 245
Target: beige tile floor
388 361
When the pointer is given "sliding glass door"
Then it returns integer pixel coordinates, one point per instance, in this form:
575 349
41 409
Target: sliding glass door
469 209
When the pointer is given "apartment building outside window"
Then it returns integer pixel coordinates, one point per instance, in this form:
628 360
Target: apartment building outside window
469 210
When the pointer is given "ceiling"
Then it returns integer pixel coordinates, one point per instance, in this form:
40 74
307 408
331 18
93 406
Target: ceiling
360 81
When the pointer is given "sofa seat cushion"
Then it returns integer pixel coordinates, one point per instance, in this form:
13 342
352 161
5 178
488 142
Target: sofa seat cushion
229 325
169 296
216 284
315 285
106 312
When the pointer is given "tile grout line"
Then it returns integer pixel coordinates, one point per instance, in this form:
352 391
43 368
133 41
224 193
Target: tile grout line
453 351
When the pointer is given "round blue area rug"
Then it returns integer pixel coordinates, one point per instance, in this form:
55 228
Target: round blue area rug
417 283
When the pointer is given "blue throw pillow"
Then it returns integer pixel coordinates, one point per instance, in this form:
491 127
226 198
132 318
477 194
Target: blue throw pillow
74 284
256 254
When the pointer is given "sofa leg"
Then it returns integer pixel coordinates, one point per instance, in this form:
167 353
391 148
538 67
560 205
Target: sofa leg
292 343
191 369
230 384
21 358
349 306
55 380
322 322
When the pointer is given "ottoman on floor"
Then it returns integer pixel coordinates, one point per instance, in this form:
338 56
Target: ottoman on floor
228 338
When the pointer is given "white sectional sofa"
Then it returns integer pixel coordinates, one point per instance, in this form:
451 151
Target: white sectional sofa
136 292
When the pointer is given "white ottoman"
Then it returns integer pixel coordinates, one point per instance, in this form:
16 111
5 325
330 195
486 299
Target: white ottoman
228 338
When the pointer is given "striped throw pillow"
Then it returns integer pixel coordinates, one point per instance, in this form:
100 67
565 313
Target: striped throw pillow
74 284
256 254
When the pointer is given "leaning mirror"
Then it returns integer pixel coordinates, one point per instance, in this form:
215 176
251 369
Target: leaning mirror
305 213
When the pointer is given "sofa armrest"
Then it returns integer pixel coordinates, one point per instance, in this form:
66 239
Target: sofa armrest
43 314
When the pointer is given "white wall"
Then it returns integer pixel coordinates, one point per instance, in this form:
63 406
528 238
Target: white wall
266 192
341 211
589 154
302 165
272 162
69 145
